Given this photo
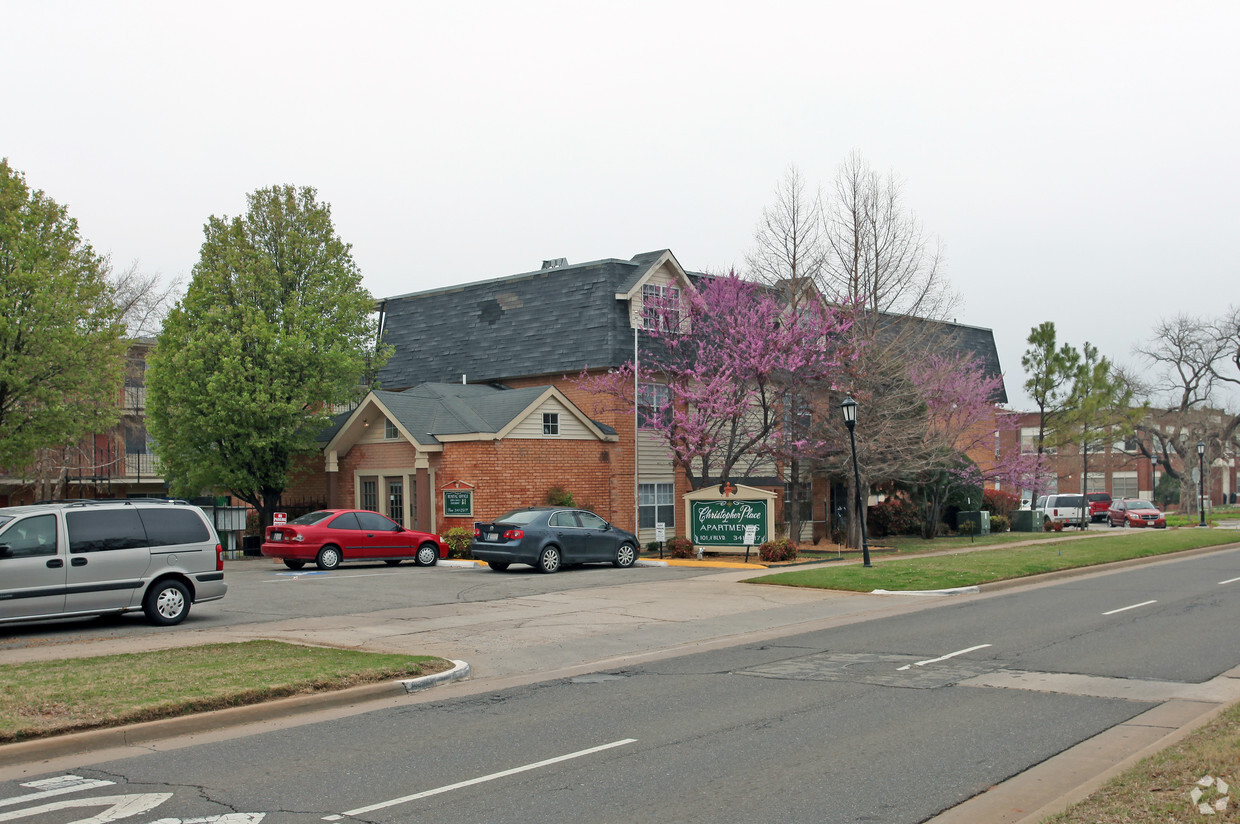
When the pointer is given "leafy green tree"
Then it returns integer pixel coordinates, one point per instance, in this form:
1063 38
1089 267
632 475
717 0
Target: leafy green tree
1098 409
61 343
274 330
1051 369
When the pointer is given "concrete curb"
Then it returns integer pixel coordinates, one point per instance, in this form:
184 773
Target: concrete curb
459 672
944 592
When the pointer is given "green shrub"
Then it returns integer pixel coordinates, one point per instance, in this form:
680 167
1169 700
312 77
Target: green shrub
458 538
999 523
1000 502
559 496
894 516
778 549
681 548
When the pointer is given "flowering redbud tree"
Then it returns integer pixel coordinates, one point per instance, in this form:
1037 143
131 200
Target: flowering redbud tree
732 354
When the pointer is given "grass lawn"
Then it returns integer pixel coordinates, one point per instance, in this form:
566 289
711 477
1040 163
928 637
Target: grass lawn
983 566
50 697
1160 788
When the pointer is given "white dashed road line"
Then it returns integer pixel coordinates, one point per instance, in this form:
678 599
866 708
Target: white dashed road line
943 657
1134 606
526 768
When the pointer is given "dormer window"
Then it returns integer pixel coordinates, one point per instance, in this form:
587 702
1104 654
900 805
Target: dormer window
661 307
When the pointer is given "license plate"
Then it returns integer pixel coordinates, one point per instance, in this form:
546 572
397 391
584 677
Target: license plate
492 536
276 536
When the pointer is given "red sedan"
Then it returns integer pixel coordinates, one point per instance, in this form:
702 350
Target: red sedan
331 536
1134 512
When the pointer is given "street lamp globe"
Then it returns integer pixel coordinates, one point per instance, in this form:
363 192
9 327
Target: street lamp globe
849 407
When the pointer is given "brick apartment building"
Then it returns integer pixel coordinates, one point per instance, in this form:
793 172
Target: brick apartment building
480 406
1123 469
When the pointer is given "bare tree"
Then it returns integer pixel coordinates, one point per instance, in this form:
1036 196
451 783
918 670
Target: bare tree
1195 360
788 254
877 250
143 299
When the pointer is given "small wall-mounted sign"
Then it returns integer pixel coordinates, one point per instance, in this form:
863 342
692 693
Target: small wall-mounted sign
458 500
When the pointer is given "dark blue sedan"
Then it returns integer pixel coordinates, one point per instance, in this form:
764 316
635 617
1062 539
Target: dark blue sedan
549 537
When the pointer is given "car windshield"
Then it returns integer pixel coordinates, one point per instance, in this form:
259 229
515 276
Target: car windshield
1098 496
519 516
312 517
1140 505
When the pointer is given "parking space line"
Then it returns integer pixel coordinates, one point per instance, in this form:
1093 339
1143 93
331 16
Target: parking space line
526 768
1134 606
943 657
1229 581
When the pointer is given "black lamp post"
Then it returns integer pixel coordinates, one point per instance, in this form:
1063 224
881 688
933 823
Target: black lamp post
849 407
1201 486
1154 479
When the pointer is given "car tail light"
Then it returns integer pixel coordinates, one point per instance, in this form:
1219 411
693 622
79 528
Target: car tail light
477 532
219 558
514 534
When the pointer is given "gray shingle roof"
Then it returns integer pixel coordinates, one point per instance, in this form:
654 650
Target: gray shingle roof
549 322
433 409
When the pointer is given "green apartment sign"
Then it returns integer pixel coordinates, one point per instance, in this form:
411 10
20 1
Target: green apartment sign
458 503
722 523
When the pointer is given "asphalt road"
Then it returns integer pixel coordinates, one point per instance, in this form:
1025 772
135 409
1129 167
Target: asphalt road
889 720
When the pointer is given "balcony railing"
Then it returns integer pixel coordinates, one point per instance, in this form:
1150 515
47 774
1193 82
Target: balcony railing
142 465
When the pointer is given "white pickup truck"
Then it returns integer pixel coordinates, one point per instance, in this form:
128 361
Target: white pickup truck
1068 510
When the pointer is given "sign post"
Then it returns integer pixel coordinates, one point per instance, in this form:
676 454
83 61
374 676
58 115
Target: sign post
660 535
751 532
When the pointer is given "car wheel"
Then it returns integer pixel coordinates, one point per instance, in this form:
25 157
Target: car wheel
166 603
549 560
626 555
291 564
393 561
427 555
498 566
1111 523
329 558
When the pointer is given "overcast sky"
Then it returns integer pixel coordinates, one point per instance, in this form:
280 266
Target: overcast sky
1078 161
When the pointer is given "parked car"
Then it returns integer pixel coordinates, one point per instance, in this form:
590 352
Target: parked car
1135 512
548 538
1068 510
1099 503
329 537
96 557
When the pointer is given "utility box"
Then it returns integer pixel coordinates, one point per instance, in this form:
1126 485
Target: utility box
1026 520
980 521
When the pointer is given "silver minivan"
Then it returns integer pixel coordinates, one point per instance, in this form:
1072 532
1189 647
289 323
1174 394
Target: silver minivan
78 558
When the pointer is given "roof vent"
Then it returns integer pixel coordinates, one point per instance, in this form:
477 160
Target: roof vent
555 263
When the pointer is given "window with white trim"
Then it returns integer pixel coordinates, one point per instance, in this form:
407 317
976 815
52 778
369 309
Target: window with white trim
1124 485
653 405
551 423
660 307
655 504
389 430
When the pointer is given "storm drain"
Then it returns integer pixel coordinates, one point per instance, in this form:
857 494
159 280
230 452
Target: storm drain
879 670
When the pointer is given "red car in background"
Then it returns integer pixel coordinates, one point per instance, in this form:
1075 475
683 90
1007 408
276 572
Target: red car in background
329 537
1135 512
1099 503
